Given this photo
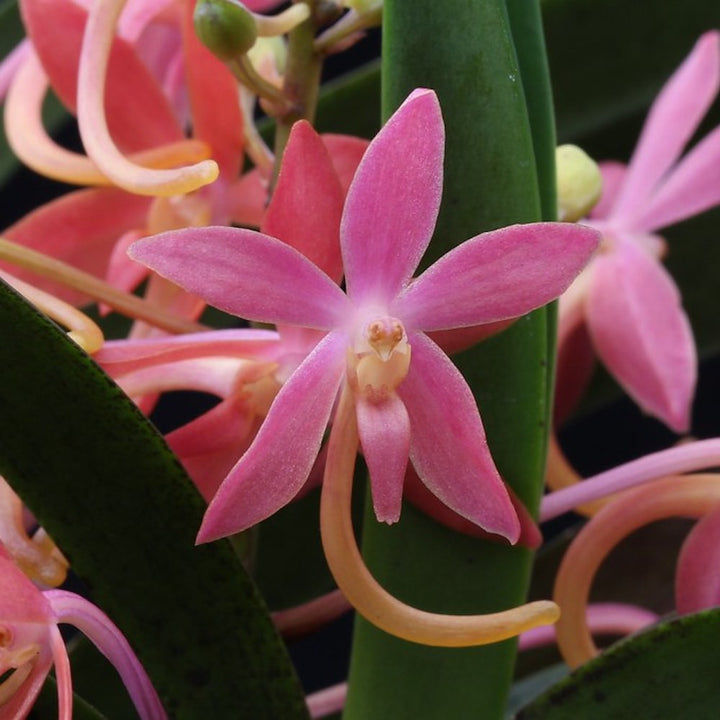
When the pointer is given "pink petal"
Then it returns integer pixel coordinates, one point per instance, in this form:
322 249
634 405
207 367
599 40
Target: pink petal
246 273
245 199
692 187
307 204
107 638
697 583
497 275
447 444
122 356
384 430
80 228
62 674
346 152
419 495
613 176
214 101
281 457
393 201
20 600
138 112
210 445
641 333
671 122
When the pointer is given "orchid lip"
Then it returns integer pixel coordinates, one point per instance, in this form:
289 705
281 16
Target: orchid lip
379 358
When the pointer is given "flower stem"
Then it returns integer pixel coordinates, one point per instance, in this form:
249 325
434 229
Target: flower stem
301 84
365 593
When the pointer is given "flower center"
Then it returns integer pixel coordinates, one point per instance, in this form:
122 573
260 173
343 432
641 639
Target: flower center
380 359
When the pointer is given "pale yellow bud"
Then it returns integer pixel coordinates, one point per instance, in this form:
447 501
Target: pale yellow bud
579 183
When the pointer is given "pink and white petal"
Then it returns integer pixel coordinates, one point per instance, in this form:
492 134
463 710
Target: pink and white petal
392 204
642 334
307 204
447 441
613 175
246 273
497 275
673 118
384 430
278 462
691 187
214 102
346 152
79 228
697 583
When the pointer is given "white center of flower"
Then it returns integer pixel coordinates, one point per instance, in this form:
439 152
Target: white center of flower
380 360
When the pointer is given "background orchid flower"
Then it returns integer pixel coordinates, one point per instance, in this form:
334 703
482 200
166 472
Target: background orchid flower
30 644
410 399
244 368
628 301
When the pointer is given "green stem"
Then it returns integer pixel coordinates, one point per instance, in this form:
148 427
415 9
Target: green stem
301 86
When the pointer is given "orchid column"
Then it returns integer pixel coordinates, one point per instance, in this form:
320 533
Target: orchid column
463 51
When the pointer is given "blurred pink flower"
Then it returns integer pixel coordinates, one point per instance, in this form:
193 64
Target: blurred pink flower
625 299
411 401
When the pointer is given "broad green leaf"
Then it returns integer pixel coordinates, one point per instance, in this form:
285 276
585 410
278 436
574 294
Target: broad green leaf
670 671
465 52
102 482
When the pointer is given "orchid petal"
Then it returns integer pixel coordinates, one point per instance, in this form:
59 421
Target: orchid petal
673 118
384 430
22 700
692 187
447 446
61 662
307 203
96 137
346 152
613 175
402 168
247 274
276 465
210 445
245 199
94 624
497 275
122 356
697 585
641 333
79 228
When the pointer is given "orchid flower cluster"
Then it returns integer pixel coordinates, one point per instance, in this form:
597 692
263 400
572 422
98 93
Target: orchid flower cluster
337 361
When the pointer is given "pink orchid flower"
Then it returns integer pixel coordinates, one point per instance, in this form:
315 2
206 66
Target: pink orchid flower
30 643
627 300
411 402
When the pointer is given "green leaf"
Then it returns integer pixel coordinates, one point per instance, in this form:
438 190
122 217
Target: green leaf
102 482
465 52
670 671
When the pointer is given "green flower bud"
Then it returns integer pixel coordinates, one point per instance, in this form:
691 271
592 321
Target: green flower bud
226 27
